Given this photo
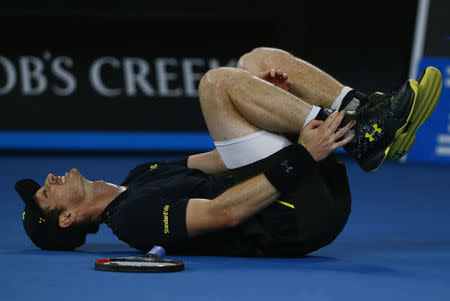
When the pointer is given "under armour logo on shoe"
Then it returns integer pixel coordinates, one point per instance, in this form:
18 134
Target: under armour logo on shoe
370 136
288 168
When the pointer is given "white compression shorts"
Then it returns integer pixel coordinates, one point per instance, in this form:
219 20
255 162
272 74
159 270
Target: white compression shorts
245 150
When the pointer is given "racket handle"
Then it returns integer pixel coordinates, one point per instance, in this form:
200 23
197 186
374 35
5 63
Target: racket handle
157 251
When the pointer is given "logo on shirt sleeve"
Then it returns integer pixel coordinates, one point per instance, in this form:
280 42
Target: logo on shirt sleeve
166 219
153 167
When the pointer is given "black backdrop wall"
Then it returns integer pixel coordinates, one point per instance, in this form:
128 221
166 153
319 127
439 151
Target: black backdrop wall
111 69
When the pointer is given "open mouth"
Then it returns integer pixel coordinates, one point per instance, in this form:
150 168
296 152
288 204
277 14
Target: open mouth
62 179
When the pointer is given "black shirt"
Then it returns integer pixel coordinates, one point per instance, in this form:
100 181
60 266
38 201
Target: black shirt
152 211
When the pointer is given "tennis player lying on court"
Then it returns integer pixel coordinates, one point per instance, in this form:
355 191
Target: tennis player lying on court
257 193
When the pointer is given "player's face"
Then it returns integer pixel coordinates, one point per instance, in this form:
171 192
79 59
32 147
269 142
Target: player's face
61 191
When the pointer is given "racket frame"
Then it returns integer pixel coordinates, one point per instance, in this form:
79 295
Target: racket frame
105 265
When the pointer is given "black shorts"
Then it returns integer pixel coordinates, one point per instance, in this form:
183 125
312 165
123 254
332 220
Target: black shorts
322 204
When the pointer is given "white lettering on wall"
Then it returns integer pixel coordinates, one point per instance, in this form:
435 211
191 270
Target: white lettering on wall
10 75
33 81
108 76
136 71
96 79
192 78
164 76
64 75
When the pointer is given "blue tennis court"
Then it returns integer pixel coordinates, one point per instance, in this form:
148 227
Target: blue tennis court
396 245
106 89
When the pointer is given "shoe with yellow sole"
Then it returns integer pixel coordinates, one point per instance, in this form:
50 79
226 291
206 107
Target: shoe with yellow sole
430 85
379 126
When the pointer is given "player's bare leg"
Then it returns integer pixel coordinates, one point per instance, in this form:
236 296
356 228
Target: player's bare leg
236 103
306 81
243 110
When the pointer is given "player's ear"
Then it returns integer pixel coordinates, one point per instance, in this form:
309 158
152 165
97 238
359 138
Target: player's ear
67 218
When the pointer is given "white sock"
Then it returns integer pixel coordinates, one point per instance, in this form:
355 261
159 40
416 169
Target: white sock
337 102
312 114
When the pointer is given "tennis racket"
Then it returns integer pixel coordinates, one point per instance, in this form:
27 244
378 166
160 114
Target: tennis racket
153 262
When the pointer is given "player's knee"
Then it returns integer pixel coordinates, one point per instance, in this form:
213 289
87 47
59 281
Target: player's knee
245 60
262 58
210 84
253 60
270 57
215 84
217 78
268 51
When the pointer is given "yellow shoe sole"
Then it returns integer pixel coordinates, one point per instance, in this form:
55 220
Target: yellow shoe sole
429 91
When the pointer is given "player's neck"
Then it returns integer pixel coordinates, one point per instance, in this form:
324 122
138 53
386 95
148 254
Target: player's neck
100 195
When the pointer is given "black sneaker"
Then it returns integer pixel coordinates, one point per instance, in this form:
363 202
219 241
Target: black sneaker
378 127
430 84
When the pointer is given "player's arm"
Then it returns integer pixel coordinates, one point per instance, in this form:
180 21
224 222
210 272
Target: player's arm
231 207
318 140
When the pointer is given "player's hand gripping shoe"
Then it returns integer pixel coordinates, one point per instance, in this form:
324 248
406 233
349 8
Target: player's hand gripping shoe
380 121
430 85
379 126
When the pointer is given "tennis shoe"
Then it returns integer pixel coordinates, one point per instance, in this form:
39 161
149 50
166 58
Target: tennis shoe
378 126
429 90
